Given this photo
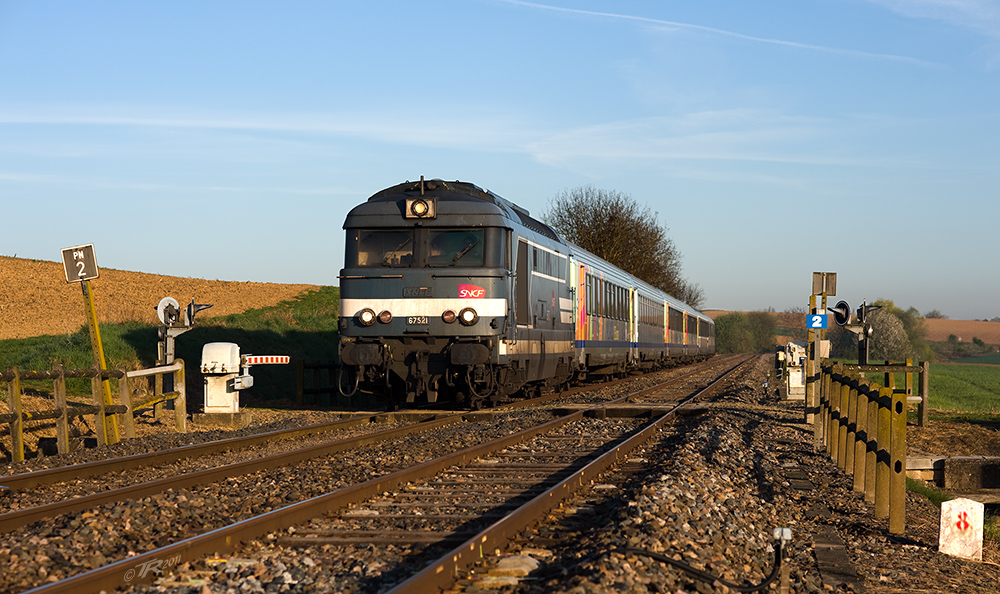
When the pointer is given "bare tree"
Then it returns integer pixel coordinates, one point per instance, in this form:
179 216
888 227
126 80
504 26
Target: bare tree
612 225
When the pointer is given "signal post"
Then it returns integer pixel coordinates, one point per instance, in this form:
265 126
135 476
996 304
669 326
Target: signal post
80 265
824 283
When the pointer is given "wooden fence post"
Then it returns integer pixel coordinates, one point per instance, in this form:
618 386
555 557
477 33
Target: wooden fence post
180 402
125 395
883 460
158 392
819 426
17 424
832 425
852 431
897 453
62 423
97 393
925 390
845 399
861 442
871 449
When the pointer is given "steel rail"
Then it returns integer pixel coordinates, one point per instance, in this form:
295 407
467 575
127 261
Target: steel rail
16 519
12 520
20 482
143 568
441 574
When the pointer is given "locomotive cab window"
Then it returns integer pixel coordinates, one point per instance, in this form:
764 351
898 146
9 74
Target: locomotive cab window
409 248
464 247
380 248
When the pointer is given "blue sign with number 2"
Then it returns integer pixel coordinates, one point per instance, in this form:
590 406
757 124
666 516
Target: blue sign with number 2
817 322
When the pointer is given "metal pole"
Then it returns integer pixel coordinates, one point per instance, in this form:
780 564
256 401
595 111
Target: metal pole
811 400
98 348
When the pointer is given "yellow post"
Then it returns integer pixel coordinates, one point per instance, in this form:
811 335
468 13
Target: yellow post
861 441
897 465
852 431
871 450
845 399
98 348
882 456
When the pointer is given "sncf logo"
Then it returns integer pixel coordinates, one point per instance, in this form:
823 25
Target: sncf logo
471 292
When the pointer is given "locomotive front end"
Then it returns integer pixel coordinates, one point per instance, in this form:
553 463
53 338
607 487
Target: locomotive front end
425 295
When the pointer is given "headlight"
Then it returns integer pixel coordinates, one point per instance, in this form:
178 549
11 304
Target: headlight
468 316
448 316
366 316
385 317
418 208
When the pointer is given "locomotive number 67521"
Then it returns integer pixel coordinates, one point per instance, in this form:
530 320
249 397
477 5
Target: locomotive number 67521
449 291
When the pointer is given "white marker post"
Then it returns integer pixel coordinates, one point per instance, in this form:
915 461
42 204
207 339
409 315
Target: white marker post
962 529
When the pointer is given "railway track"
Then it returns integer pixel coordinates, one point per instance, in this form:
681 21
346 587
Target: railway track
145 566
189 473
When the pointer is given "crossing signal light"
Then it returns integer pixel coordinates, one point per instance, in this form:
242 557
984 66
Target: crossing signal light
864 310
841 313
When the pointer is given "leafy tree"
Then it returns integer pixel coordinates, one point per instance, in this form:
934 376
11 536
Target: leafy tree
613 226
763 328
913 325
889 341
843 343
732 333
935 315
738 332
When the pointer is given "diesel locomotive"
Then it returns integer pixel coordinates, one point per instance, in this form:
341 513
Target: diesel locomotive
451 293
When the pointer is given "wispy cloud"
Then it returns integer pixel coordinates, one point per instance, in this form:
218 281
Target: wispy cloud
978 15
493 130
751 140
732 34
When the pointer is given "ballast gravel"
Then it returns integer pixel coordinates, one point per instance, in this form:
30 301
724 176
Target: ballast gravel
714 488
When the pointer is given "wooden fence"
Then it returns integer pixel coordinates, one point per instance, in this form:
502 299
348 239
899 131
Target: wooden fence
863 425
104 424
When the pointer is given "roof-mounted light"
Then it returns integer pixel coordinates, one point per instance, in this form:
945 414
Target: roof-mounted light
421 208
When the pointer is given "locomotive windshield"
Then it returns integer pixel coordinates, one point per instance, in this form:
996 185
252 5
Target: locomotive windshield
384 248
456 248
417 248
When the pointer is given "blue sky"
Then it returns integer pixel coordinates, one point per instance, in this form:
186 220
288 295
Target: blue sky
227 140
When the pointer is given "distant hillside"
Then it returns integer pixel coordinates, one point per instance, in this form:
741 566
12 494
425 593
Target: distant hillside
939 330
37 300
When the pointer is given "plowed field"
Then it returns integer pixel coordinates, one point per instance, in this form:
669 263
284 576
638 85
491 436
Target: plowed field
37 300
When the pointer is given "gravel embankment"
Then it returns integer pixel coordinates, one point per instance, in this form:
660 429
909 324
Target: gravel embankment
717 486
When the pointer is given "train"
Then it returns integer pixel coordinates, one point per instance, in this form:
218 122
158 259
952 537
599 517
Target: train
450 292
